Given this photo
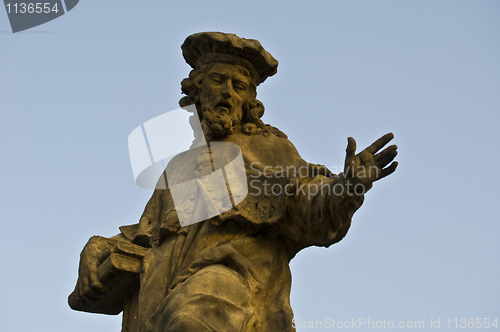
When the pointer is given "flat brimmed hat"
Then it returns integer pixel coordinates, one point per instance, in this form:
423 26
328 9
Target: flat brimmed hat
205 47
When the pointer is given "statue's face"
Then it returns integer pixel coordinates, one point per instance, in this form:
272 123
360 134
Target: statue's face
225 89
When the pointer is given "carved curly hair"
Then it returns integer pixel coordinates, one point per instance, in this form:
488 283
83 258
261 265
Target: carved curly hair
252 112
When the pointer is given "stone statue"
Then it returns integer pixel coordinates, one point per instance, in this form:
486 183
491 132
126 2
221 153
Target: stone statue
229 272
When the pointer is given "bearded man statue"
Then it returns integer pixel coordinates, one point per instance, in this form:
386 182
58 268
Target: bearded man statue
228 270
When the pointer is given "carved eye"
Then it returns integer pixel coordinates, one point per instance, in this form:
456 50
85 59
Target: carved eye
239 86
216 79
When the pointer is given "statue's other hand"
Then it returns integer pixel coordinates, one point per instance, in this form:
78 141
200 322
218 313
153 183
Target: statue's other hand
369 166
88 286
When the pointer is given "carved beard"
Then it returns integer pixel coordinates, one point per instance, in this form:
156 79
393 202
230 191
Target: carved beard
219 124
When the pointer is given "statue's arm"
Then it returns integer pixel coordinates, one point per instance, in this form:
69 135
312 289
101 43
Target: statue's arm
320 210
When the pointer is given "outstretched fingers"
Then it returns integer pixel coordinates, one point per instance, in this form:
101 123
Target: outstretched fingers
378 144
386 156
369 157
387 171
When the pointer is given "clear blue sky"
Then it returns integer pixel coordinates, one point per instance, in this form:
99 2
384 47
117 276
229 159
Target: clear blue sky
425 244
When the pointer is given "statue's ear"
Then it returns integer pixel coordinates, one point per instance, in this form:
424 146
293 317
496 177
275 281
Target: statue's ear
259 108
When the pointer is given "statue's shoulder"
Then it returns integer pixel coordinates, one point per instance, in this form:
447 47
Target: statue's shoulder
276 132
268 138
270 147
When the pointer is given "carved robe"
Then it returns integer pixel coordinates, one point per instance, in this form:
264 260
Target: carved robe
231 272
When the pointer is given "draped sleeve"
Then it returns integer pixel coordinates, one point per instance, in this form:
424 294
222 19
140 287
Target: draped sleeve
318 211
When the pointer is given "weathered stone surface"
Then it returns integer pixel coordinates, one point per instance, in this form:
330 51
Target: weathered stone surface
229 272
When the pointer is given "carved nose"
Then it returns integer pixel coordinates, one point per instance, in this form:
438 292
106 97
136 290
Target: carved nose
227 90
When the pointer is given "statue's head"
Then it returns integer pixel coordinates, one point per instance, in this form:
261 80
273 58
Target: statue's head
223 82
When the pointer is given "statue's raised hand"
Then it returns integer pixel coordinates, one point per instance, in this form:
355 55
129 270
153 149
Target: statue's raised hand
88 286
368 166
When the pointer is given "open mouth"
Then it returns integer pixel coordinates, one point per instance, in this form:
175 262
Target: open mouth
224 104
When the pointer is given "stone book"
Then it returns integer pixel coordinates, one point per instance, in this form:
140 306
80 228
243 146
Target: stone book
120 272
